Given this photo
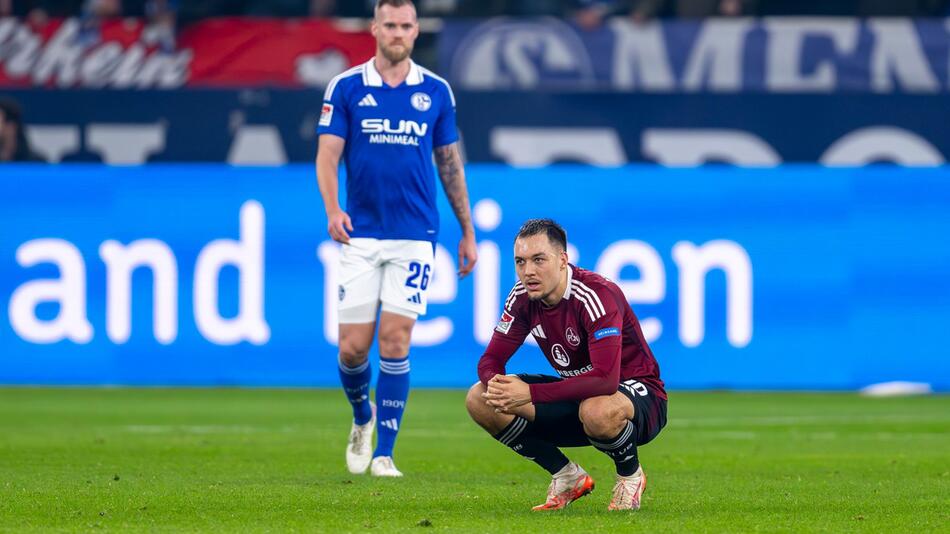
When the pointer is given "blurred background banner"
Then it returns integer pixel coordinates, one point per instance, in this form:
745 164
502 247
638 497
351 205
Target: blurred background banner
127 54
261 126
613 128
792 277
780 54
531 91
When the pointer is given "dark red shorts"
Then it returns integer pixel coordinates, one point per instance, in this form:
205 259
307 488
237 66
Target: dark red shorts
560 424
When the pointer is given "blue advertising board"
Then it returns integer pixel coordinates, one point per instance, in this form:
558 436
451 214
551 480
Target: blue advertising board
786 278
267 127
613 128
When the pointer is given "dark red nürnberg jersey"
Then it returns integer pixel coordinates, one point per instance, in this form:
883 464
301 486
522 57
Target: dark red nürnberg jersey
591 338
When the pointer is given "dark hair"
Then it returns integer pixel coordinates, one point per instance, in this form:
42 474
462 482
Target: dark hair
11 110
394 3
556 235
13 114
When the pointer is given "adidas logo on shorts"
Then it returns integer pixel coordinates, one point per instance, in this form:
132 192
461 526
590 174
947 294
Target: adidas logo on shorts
415 299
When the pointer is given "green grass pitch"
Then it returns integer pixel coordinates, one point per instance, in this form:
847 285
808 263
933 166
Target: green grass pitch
272 460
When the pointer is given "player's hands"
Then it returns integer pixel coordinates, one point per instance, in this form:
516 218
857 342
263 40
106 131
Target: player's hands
337 225
468 255
507 392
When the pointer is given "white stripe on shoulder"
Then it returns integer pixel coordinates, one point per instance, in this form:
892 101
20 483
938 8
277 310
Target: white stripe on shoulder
591 297
585 297
585 300
596 298
336 79
513 297
428 72
518 289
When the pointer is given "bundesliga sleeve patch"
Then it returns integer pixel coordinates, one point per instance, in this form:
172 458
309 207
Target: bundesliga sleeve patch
607 332
504 324
326 114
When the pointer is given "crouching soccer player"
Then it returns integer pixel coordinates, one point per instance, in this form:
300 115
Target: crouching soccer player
608 393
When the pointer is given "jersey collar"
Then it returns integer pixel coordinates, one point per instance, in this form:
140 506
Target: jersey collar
570 277
372 78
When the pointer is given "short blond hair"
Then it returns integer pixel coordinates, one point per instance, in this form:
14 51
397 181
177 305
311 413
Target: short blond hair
394 3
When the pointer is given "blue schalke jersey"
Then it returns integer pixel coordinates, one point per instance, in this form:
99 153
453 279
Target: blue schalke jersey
390 133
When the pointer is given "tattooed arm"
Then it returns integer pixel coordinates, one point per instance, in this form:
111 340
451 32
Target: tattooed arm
452 174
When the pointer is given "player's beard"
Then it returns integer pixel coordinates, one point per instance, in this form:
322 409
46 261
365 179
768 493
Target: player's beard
395 55
540 296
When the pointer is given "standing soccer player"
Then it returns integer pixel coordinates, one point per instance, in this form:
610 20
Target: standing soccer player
386 117
608 393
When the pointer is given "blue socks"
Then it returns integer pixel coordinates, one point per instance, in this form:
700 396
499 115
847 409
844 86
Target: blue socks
392 390
355 382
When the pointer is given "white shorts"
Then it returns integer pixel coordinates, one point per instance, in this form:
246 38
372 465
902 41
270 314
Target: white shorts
395 272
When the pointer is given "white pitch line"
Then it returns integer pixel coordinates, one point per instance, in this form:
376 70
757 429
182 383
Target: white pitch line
799 419
194 429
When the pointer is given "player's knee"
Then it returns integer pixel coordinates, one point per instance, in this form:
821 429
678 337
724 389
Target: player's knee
394 343
601 418
474 402
353 353
480 412
394 347
590 411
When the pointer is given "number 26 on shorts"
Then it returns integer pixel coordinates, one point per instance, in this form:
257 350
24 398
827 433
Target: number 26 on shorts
418 276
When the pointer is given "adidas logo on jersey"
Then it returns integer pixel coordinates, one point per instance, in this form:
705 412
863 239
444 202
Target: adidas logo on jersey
391 424
368 100
538 333
415 299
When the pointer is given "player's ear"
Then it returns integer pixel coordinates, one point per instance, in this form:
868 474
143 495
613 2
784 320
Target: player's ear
373 23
